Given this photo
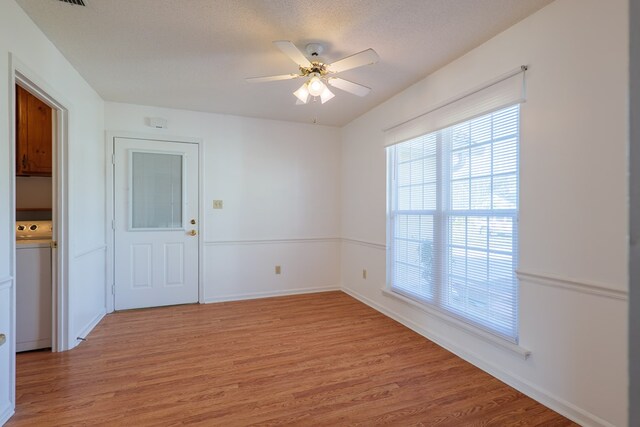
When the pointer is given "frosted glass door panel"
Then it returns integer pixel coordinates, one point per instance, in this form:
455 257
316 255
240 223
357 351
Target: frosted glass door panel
156 190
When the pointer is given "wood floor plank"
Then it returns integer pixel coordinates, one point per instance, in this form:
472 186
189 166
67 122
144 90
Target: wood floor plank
308 360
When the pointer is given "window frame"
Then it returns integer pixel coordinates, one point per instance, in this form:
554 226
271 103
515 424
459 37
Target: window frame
441 215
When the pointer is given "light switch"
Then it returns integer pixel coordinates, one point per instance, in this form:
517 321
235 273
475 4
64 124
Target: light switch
217 204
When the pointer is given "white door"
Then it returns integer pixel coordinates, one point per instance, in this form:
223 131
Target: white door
156 223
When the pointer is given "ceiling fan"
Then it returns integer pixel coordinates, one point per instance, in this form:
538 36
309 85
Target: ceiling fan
320 75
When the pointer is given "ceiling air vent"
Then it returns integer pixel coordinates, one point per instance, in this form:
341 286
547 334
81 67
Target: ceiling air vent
76 2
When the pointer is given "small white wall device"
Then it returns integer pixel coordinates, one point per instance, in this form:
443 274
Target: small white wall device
157 122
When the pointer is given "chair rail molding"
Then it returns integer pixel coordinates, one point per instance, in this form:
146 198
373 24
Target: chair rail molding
571 285
369 244
6 282
91 250
272 241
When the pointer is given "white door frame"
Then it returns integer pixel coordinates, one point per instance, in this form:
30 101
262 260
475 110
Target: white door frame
22 75
110 140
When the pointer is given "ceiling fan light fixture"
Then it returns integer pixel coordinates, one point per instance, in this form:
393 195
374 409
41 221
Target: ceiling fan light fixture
302 93
315 86
326 95
319 74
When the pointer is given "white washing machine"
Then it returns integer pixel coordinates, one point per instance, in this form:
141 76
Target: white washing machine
33 285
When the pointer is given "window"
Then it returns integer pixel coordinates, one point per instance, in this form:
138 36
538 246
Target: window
156 191
453 220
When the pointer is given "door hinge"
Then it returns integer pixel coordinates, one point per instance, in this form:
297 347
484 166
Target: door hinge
113 289
113 224
54 244
113 159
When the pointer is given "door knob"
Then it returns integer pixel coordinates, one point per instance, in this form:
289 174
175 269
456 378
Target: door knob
193 221
3 339
193 232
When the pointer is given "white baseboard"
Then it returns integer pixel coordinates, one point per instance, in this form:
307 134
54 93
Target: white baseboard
33 345
6 413
567 409
87 329
269 294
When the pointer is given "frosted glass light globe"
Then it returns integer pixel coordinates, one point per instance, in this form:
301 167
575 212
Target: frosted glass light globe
315 86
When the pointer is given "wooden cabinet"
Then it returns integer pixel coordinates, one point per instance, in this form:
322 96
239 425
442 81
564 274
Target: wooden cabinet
34 135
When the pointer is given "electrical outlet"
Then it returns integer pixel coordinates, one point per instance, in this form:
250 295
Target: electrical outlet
217 204
278 269
364 273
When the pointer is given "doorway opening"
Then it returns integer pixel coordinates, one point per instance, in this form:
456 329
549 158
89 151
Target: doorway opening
47 183
35 148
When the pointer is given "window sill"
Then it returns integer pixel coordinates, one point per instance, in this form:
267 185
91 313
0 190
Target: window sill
479 333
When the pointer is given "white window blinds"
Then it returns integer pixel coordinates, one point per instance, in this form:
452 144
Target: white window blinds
452 219
505 90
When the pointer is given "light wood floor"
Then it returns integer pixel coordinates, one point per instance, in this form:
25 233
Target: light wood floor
310 360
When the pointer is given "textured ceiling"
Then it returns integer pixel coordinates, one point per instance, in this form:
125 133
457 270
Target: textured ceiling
195 54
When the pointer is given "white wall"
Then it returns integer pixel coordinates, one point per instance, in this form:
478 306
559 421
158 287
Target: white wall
19 36
634 212
573 216
279 182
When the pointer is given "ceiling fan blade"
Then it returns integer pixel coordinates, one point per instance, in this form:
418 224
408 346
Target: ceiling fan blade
292 52
272 78
348 86
366 57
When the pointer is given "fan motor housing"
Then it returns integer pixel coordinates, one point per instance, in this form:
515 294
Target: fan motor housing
316 68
